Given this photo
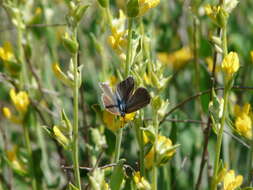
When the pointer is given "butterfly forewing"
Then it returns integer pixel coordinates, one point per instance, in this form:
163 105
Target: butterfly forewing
110 105
138 100
125 89
108 91
108 99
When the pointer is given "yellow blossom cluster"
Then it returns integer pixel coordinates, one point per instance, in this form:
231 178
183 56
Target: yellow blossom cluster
113 122
230 65
243 122
176 59
8 58
163 151
21 102
141 182
230 181
145 5
118 39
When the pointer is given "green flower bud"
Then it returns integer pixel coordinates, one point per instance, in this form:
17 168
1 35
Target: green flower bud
69 44
132 8
156 103
222 17
79 12
103 3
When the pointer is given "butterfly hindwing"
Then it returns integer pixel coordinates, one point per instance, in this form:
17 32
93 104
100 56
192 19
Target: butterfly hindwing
138 100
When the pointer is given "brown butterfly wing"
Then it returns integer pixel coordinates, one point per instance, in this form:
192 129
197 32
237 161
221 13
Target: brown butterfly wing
138 100
108 104
125 89
108 99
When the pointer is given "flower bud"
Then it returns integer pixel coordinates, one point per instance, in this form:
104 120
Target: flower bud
61 76
69 44
60 137
132 8
230 64
79 12
103 3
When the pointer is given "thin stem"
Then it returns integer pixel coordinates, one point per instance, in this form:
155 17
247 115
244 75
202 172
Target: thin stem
223 118
250 163
142 167
29 151
75 127
118 144
21 56
139 135
219 140
129 47
109 16
127 69
154 169
146 53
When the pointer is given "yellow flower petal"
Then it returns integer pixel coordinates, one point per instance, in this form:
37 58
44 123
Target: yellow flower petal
231 182
20 100
230 64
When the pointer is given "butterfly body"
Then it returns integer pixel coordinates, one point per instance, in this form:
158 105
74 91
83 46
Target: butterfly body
124 100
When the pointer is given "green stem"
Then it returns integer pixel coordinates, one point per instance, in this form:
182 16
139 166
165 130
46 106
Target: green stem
127 69
250 164
154 169
129 47
75 127
219 140
223 118
20 55
118 144
146 53
29 151
224 41
109 16
142 167
139 135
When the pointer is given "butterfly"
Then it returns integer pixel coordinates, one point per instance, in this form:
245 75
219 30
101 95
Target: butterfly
124 100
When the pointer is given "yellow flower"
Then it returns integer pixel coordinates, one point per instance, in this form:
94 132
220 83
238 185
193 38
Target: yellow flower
221 174
230 64
61 75
217 14
243 126
145 5
251 55
162 150
141 182
20 100
231 181
113 81
14 161
7 113
176 59
60 137
113 123
212 11
243 122
118 39
6 53
209 61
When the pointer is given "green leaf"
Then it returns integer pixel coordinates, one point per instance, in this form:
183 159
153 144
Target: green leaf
117 176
